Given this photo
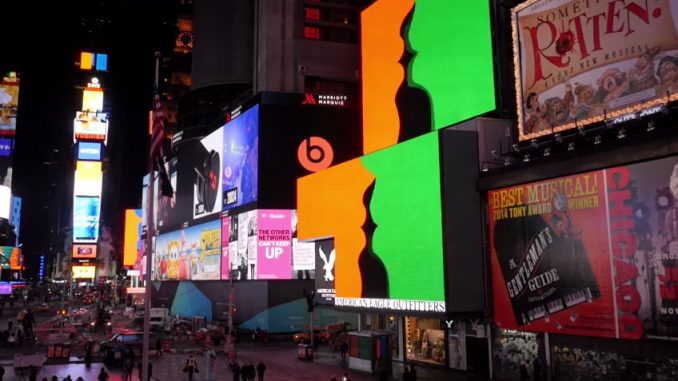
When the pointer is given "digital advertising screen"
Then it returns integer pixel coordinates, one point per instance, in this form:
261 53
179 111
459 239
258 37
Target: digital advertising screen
81 251
591 254
6 147
144 202
5 202
303 255
92 99
620 61
207 190
90 126
16 260
132 244
369 200
168 213
6 256
83 272
325 257
243 252
274 244
88 178
86 218
241 159
5 288
88 151
9 104
192 253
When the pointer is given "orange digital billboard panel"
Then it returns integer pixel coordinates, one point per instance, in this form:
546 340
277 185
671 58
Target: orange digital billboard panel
132 248
84 251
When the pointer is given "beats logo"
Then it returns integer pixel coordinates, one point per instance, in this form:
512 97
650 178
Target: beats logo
315 154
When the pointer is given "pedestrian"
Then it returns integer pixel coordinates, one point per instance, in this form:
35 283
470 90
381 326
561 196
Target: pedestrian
150 371
103 376
261 368
191 367
344 349
383 373
406 374
33 375
413 373
524 374
211 361
536 369
235 368
158 347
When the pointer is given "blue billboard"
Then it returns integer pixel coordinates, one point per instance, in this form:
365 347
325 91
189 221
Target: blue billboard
241 159
89 151
86 218
6 146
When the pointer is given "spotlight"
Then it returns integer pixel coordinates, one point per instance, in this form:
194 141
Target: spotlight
559 137
547 151
526 158
650 126
621 134
570 146
598 139
515 147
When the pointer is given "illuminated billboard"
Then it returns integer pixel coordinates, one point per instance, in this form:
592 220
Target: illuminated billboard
622 59
192 253
240 159
88 178
5 202
383 211
89 151
132 248
6 253
6 147
591 254
83 272
207 175
84 251
448 75
90 126
9 104
86 211
92 99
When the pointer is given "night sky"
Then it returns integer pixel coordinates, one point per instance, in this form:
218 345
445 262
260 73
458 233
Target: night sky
43 46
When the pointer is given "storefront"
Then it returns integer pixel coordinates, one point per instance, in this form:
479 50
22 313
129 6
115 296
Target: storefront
388 323
511 348
425 340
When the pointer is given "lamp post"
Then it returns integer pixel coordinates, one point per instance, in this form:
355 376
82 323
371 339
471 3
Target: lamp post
230 341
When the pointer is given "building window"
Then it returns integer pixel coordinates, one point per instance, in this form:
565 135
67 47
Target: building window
335 20
312 14
312 33
425 340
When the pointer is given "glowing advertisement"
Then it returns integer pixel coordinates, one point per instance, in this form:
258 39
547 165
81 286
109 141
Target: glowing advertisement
324 271
243 253
380 221
592 254
9 102
83 272
303 255
92 99
192 253
86 218
225 238
88 178
6 147
84 251
90 126
132 244
207 175
6 256
579 63
5 202
241 159
89 151
274 244
5 288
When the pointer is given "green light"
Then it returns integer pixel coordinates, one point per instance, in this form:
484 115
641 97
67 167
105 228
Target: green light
452 63
406 207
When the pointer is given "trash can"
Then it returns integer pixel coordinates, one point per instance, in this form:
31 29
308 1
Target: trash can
305 352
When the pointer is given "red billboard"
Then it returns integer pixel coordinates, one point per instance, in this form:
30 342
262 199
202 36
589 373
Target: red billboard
592 254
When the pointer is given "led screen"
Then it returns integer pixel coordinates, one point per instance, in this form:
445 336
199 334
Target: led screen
6 147
6 256
86 218
5 202
207 190
447 75
9 102
383 210
89 151
570 73
90 126
88 178
84 272
192 253
84 251
92 99
590 254
240 159
5 288
132 248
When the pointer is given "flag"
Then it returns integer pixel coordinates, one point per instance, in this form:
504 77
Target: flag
156 151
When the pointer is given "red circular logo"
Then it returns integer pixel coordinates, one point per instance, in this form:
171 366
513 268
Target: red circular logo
315 154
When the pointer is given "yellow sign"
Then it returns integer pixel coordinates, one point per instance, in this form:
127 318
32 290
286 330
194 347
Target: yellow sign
81 272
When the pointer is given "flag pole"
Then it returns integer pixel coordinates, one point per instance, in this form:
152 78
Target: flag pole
149 245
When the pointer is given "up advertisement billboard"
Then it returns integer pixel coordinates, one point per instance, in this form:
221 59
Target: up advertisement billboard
590 254
192 253
579 62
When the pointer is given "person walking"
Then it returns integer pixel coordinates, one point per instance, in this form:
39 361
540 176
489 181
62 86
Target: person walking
406 374
103 376
524 374
344 349
2 372
141 371
33 375
211 361
261 368
158 347
191 367
413 373
235 368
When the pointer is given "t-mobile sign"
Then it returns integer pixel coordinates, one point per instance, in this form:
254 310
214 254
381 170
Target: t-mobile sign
274 248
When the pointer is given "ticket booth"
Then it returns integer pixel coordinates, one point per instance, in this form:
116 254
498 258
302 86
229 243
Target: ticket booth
369 351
